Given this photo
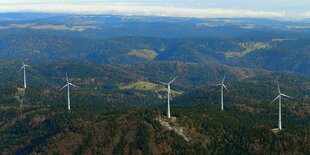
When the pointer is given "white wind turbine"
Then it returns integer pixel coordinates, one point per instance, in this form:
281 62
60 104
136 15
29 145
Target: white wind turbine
280 97
222 92
169 92
68 86
24 67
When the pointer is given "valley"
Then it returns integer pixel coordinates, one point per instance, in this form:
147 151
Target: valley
119 64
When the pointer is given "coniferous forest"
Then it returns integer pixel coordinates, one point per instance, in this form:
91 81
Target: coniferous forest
119 106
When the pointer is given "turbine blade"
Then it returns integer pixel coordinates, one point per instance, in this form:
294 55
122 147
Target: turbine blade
279 88
224 78
73 85
22 68
286 96
225 87
67 78
218 84
173 80
164 83
276 98
27 65
63 87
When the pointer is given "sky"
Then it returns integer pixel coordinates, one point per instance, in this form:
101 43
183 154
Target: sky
286 9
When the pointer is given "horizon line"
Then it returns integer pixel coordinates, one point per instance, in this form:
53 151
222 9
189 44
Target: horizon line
151 10
140 15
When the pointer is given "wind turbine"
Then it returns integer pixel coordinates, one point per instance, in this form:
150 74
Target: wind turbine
68 86
169 92
24 67
222 92
280 97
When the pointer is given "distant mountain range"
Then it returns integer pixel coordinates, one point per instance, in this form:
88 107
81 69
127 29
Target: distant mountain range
110 53
254 43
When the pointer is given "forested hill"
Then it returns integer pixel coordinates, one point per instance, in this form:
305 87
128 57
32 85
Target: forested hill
111 114
260 90
117 121
191 75
254 43
119 64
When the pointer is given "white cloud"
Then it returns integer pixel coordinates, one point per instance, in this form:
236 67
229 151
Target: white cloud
305 14
123 8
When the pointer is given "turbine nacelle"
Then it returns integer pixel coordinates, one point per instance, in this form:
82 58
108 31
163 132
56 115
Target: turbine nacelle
168 98
172 80
68 86
222 91
24 65
280 94
222 84
167 84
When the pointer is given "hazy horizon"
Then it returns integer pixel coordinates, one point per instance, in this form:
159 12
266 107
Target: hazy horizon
181 8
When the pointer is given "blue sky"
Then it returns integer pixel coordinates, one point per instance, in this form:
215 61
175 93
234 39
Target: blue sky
290 9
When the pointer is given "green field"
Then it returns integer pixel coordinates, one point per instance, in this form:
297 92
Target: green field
248 48
145 54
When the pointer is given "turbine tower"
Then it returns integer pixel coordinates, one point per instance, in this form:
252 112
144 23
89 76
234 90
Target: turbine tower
222 92
68 87
169 92
24 67
280 98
